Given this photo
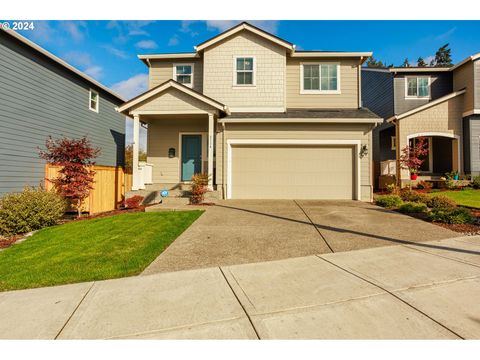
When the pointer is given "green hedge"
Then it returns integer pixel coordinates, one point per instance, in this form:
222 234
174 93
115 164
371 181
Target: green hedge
451 215
388 201
32 209
412 207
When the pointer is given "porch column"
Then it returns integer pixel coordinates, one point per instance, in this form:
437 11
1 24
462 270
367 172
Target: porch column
136 141
210 151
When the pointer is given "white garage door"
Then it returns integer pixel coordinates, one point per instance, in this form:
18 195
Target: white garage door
292 172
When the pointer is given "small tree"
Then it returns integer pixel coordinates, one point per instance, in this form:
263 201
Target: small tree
412 157
76 158
443 56
406 63
421 62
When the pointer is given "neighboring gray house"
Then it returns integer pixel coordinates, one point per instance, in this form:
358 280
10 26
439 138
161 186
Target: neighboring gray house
441 104
41 95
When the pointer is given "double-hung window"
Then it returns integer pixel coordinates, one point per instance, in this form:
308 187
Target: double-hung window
417 87
93 100
320 78
183 73
244 71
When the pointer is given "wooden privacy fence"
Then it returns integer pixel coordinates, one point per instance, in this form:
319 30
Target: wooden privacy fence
109 187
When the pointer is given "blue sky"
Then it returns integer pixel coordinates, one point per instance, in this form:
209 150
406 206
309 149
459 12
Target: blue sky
107 50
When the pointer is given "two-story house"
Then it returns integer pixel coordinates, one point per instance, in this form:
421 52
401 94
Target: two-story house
42 95
264 120
441 104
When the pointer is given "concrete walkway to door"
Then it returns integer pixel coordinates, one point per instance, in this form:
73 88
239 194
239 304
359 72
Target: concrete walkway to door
246 231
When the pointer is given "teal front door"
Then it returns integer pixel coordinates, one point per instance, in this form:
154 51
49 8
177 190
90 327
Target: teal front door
191 156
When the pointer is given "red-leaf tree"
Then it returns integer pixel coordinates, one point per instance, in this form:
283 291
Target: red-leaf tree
76 158
413 156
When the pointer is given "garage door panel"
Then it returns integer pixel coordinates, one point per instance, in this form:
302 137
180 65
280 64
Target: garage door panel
292 172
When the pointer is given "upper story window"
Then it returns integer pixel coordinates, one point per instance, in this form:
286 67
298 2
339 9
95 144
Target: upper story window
93 100
244 71
183 73
321 78
417 87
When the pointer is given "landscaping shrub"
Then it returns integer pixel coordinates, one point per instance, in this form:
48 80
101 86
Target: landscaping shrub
476 182
133 202
392 189
388 201
31 209
412 207
451 184
441 201
456 215
424 185
413 196
199 188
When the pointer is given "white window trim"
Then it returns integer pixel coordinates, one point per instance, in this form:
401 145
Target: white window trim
409 97
393 145
324 92
254 75
355 143
184 64
90 100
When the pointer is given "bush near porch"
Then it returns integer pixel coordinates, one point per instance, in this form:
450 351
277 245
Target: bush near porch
94 249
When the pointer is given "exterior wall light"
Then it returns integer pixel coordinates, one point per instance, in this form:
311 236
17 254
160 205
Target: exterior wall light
363 151
171 153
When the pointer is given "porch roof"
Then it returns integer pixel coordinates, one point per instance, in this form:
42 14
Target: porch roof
171 84
426 106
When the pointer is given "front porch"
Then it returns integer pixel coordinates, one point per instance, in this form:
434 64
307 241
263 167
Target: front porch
180 139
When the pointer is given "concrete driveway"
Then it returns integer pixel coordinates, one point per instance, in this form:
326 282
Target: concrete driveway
422 291
246 231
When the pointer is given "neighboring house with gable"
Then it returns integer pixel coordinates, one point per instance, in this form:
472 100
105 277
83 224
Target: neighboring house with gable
441 104
41 96
264 120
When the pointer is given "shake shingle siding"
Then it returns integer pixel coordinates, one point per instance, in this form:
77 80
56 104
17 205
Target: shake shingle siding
39 98
377 91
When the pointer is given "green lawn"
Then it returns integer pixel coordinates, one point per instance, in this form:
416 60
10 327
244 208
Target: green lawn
102 248
468 197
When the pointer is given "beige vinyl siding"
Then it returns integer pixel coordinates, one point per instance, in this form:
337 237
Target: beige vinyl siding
162 70
164 134
269 91
173 100
292 172
347 99
299 132
463 78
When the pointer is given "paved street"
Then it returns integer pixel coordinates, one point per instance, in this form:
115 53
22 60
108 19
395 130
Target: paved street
421 291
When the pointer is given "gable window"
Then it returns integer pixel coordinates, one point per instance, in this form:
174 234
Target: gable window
320 78
183 73
244 71
417 87
93 100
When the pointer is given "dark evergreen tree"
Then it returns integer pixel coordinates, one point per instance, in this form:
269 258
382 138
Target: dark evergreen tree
443 56
421 62
374 63
406 63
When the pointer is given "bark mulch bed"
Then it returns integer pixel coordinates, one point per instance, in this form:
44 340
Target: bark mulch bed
466 229
8 241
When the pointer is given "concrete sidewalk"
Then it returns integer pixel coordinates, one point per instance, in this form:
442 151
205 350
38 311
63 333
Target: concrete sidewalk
422 291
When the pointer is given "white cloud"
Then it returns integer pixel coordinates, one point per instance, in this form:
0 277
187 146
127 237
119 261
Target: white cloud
270 26
131 87
428 59
125 29
76 29
173 41
446 34
186 27
117 52
79 58
146 44
43 32
94 71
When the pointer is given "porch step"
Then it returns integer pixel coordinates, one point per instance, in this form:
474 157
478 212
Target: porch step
154 197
